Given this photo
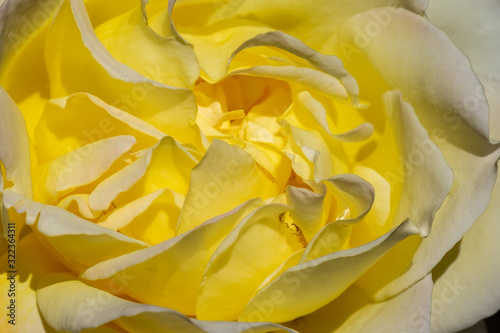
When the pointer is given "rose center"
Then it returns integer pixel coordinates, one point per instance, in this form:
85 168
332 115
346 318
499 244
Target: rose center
243 107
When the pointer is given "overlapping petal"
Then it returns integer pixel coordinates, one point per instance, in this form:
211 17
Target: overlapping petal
308 286
70 305
226 177
32 263
65 235
447 118
354 312
461 294
72 40
178 263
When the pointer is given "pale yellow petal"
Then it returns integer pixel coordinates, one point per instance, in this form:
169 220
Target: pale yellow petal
353 312
427 172
226 177
166 165
313 26
352 199
70 305
327 64
76 242
131 41
314 157
80 167
310 209
22 68
14 150
31 263
315 283
253 250
82 202
77 61
305 77
429 74
466 278
214 45
427 164
151 218
456 18
178 264
96 121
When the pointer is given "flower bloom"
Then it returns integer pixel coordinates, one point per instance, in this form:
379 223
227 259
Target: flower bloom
246 166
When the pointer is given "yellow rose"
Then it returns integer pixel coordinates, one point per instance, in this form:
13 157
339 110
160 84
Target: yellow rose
246 166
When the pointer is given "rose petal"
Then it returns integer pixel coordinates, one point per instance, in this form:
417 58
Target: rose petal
310 209
80 167
408 312
380 213
309 24
66 235
82 202
427 172
226 177
32 263
96 121
70 305
131 41
426 182
466 279
315 283
252 251
291 261
166 165
176 285
71 40
14 150
151 218
305 77
23 25
327 64
438 74
353 198
324 118
472 160
214 45
456 19
314 157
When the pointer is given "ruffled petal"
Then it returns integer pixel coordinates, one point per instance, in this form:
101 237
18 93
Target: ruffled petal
307 287
77 61
252 251
70 305
466 279
97 120
74 241
226 177
151 218
23 74
131 41
409 311
165 165
411 76
352 199
32 262
14 150
176 286
309 24
455 117
79 167
456 18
